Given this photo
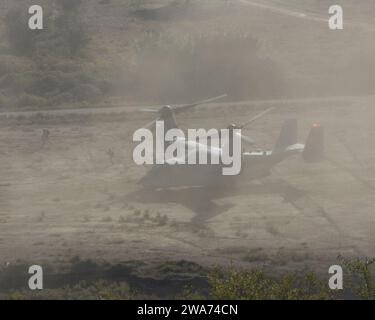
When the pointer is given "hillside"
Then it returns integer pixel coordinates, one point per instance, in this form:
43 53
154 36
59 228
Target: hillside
107 52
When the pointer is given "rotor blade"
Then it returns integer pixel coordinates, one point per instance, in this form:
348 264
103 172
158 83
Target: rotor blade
257 117
150 110
185 107
246 139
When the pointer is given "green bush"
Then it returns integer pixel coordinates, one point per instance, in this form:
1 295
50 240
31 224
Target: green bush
235 284
360 277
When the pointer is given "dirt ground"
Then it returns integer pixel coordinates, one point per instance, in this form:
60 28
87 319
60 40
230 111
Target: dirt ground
70 197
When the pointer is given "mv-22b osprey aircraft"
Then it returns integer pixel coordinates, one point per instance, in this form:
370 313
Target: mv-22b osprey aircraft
255 165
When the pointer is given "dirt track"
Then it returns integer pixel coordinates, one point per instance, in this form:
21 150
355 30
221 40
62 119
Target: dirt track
68 198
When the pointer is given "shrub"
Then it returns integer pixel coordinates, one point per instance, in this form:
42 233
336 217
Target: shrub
235 284
361 280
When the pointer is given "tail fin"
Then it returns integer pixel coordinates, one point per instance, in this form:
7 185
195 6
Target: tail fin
288 135
314 148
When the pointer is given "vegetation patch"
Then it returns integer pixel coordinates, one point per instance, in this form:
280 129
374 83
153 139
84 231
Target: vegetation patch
86 279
